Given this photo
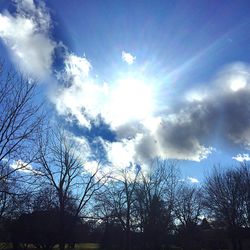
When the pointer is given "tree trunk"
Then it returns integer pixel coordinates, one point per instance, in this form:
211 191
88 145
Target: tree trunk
128 239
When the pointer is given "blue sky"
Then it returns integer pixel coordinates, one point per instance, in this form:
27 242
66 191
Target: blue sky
135 80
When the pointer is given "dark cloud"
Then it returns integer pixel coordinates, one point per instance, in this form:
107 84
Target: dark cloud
190 130
129 130
235 117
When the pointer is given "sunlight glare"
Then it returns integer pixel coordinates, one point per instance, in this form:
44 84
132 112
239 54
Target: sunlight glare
131 100
238 83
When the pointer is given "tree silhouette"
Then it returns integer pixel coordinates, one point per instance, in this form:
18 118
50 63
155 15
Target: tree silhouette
117 200
61 165
188 211
20 120
188 205
161 182
225 198
158 224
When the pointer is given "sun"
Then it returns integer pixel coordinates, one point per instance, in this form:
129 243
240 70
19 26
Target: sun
131 99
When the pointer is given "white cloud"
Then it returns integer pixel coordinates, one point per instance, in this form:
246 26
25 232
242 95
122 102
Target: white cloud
101 171
122 103
121 154
185 132
242 157
26 35
195 96
238 83
22 166
128 58
77 67
91 166
193 180
233 77
26 5
80 145
84 98
128 106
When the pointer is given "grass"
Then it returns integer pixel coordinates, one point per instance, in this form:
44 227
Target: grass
87 246
80 246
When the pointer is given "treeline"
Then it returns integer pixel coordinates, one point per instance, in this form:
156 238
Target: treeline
134 210
49 196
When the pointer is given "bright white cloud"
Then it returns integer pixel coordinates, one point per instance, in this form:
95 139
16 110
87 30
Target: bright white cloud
126 100
193 180
26 35
91 166
242 157
130 100
183 133
238 83
82 98
128 58
233 77
22 166
128 106
120 161
81 147
121 154
77 67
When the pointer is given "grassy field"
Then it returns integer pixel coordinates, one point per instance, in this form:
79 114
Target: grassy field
82 246
87 246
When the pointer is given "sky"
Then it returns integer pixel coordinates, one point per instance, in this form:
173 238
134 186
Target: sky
137 80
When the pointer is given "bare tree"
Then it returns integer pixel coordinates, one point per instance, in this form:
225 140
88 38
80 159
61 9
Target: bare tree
188 213
160 182
224 198
116 202
45 199
6 197
188 206
15 196
244 173
132 197
61 163
20 118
